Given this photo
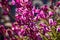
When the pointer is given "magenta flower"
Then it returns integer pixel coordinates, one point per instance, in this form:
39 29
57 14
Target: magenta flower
42 24
52 22
58 29
28 21
26 0
42 14
2 29
9 32
13 2
58 4
51 13
44 8
17 1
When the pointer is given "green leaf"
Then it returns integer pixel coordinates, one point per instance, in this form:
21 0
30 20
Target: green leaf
43 36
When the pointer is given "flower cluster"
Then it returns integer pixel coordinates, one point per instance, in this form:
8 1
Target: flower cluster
32 23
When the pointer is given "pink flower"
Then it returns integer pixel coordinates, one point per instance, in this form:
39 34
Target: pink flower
51 13
17 1
13 2
51 22
42 14
36 10
58 28
26 0
58 3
